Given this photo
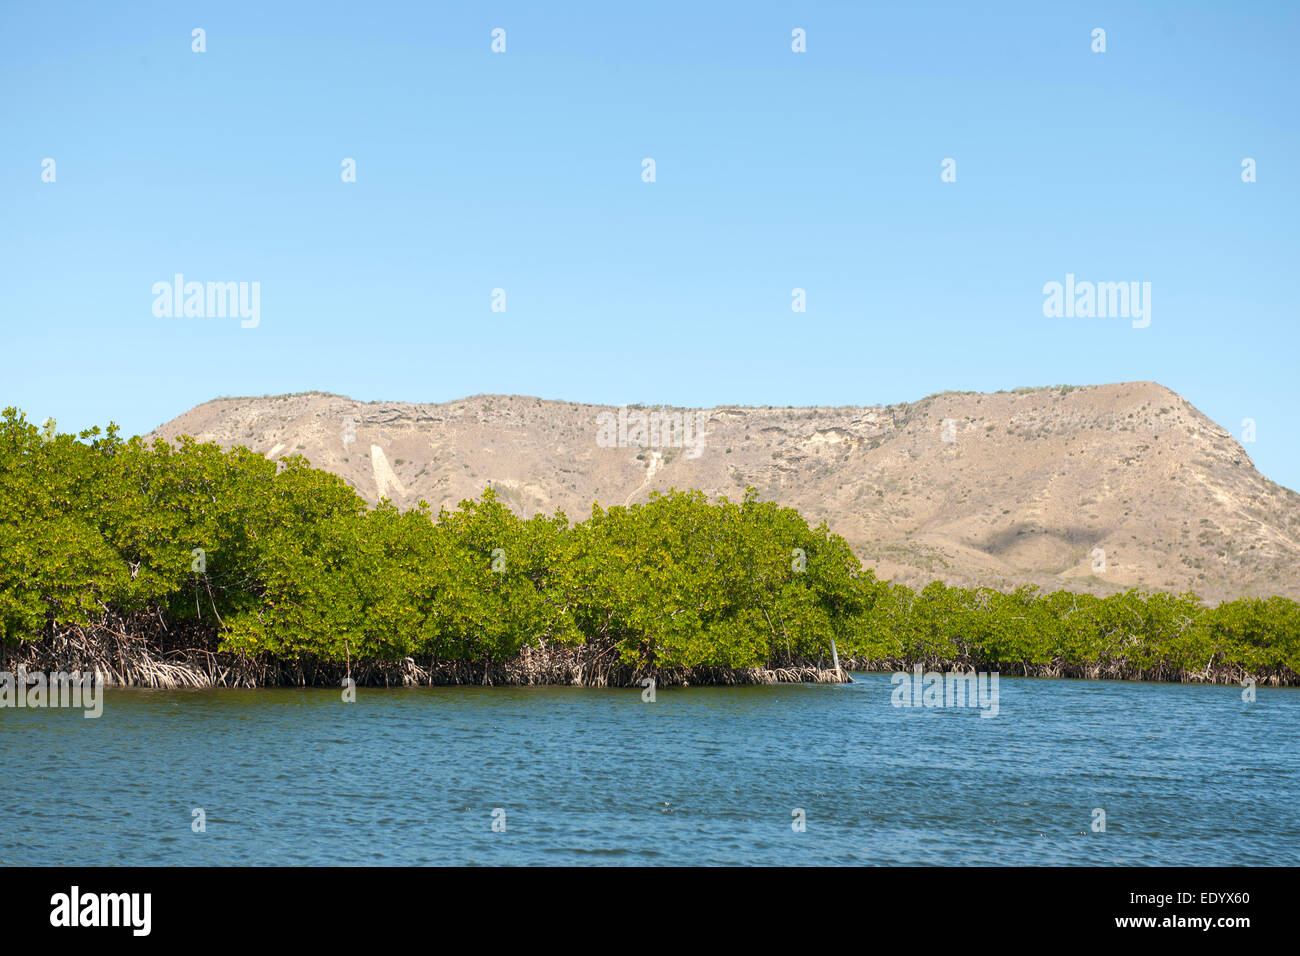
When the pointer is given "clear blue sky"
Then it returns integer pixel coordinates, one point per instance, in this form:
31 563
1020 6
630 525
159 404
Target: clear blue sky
775 170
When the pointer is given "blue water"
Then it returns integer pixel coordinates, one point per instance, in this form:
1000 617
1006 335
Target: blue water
1185 775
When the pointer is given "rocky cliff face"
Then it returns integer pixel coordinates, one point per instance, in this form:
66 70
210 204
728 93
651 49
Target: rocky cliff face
1098 488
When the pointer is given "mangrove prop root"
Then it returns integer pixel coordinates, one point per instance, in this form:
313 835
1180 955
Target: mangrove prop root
142 653
139 660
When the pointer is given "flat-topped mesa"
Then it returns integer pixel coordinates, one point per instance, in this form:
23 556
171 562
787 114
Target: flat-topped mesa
1094 488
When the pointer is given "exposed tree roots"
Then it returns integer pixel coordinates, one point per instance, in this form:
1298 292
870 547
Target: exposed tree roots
142 653
179 660
1105 670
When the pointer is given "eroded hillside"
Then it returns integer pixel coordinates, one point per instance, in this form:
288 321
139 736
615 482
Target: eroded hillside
1097 488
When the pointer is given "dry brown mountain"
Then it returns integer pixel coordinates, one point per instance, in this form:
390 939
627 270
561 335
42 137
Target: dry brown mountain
1004 489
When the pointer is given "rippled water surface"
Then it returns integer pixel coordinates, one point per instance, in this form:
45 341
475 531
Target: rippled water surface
1185 775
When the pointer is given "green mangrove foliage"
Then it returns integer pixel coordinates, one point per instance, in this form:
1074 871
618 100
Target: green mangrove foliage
1155 636
264 559
283 560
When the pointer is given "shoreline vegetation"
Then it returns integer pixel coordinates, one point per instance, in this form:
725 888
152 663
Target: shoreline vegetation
193 566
